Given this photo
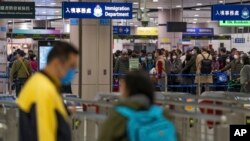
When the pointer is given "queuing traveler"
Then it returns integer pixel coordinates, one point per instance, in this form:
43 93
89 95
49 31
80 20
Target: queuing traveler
122 63
43 116
160 69
235 65
33 62
204 67
138 95
20 71
245 75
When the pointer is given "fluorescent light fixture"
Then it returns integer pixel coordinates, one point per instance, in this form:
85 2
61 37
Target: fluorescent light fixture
155 0
195 19
199 4
197 9
44 12
159 7
9 21
53 3
57 11
221 1
196 15
178 6
131 23
135 3
194 22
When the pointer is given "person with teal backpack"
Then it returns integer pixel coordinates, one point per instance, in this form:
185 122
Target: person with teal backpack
135 117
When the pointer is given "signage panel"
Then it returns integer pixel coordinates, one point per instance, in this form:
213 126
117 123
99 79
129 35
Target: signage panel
230 12
74 21
17 10
239 40
199 32
104 21
3 28
147 31
35 31
234 23
121 30
97 10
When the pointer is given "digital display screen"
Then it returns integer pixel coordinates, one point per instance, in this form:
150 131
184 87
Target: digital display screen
43 54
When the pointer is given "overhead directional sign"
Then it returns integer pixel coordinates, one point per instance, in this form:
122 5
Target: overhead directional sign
230 12
97 10
121 30
199 32
17 10
234 23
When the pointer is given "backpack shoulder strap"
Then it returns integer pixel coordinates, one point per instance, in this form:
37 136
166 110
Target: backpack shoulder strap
125 111
208 56
156 111
203 56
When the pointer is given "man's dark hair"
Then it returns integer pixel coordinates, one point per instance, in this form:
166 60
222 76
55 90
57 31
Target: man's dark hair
159 51
139 83
21 53
62 51
224 50
246 60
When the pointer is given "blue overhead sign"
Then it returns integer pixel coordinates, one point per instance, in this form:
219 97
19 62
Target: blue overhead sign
121 30
230 12
97 10
239 40
199 32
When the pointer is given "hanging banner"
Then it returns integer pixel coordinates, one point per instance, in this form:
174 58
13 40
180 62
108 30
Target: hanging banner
199 32
230 12
234 23
97 10
121 30
147 31
17 10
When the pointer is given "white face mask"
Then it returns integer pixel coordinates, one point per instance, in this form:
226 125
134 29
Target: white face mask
193 52
236 56
174 57
228 60
241 61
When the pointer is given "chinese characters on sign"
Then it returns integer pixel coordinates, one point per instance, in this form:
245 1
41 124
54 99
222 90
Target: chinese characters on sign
97 10
230 12
17 10
199 32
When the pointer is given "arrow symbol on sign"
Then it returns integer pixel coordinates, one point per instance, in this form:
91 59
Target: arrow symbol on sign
126 30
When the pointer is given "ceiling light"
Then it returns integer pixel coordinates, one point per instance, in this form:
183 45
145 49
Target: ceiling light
208 21
178 6
199 4
57 11
194 22
44 12
221 1
53 3
159 7
195 19
196 15
155 0
135 3
9 21
198 9
131 23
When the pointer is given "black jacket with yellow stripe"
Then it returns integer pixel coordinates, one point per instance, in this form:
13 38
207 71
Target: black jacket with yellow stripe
43 116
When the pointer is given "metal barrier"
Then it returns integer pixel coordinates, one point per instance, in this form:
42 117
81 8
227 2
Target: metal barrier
169 83
194 119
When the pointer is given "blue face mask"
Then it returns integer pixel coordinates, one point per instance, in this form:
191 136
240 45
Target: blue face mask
68 77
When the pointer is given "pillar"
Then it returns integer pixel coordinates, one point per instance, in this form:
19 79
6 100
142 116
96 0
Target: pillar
95 70
168 39
3 53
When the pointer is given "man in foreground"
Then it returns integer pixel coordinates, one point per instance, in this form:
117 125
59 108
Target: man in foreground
43 115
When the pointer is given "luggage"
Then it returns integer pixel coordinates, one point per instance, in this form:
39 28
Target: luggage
150 125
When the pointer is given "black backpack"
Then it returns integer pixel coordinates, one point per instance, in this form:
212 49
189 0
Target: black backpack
206 65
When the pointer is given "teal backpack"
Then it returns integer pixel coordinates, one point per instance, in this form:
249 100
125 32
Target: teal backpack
150 125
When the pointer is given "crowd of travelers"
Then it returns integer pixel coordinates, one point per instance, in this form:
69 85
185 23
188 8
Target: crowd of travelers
205 63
